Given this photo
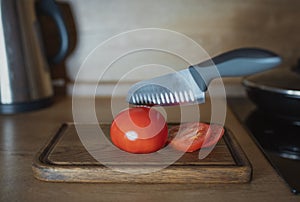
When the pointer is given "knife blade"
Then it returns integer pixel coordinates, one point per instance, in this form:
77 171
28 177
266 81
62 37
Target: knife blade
188 86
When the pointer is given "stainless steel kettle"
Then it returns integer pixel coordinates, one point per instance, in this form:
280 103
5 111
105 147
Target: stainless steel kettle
25 80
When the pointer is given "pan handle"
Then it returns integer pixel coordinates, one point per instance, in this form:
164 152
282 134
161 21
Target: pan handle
239 62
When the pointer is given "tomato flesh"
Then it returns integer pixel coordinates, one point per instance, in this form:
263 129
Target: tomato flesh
139 130
189 137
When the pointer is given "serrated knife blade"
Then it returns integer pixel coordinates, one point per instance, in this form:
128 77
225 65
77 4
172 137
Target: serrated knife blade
170 89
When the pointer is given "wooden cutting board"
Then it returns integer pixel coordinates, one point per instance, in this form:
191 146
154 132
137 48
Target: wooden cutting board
65 159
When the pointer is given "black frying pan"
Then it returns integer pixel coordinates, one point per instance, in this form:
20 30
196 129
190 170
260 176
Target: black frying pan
277 92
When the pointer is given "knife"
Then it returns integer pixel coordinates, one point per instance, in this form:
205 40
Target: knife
188 86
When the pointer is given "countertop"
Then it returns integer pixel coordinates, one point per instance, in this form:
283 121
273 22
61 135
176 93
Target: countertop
23 135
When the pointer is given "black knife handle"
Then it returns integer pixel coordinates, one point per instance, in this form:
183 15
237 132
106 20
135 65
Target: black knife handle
239 62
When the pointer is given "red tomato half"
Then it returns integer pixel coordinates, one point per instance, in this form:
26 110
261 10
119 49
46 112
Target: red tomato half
190 137
139 130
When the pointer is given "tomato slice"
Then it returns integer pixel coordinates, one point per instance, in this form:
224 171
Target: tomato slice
189 137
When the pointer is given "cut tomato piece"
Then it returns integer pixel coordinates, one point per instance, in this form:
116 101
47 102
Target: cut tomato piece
189 137
139 130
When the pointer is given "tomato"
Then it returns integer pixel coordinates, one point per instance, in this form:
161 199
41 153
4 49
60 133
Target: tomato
139 130
189 137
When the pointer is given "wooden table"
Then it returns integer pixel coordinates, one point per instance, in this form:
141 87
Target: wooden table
23 135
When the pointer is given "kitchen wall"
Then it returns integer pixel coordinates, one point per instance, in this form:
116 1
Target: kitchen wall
216 25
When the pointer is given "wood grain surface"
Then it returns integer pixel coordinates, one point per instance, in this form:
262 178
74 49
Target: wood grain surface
65 159
23 135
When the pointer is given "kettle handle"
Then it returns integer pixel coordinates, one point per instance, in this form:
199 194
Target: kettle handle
50 8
